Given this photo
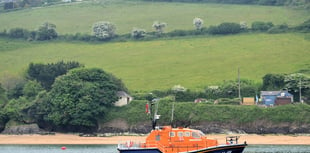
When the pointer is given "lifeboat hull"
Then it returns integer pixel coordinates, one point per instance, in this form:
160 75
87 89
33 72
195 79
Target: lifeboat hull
237 148
139 150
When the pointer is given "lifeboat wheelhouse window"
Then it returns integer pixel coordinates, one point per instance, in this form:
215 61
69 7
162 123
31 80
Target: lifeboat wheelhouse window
187 134
171 134
157 137
196 135
180 134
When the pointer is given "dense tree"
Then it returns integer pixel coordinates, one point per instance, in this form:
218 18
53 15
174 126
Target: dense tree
3 102
16 109
273 82
79 98
243 25
3 119
279 28
293 83
16 91
39 110
9 5
104 30
261 26
305 26
46 73
3 98
159 27
46 31
225 28
19 33
31 89
138 33
295 3
229 89
198 23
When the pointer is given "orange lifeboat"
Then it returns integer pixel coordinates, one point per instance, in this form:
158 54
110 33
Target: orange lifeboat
165 139
180 140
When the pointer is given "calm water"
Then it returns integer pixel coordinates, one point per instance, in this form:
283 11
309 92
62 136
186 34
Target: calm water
112 149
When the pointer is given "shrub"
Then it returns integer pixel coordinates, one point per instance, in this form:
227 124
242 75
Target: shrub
225 28
261 26
3 33
243 25
228 101
304 26
19 33
198 23
82 37
3 97
3 120
104 30
278 29
138 33
175 33
47 73
10 5
46 31
159 27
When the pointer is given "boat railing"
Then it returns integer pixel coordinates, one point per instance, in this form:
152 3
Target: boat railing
137 144
232 139
131 144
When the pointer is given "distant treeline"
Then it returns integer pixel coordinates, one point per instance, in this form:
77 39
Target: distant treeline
305 3
12 5
16 5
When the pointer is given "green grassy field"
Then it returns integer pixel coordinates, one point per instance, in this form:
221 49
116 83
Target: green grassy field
190 62
79 17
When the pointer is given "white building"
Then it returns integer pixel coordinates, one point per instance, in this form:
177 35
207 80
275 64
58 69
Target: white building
123 98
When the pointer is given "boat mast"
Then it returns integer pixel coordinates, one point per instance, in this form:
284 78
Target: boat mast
239 93
154 117
172 114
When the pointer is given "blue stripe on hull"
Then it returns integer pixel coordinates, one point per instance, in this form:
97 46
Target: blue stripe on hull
218 149
222 149
139 151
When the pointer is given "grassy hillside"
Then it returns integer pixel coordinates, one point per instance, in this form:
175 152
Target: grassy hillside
79 17
191 62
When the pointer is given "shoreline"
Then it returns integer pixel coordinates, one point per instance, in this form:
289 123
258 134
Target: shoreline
61 139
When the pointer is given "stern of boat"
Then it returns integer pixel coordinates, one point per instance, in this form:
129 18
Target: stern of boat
137 147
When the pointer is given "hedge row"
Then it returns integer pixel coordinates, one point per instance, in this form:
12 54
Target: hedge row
222 29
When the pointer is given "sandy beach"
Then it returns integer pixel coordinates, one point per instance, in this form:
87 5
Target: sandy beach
59 138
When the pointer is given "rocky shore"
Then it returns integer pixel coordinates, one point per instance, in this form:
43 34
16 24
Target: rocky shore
258 127
119 127
118 130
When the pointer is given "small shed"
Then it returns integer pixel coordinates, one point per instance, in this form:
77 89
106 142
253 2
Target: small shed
269 98
282 101
123 98
248 101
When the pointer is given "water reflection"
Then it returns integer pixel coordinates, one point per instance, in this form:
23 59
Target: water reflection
277 149
112 149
